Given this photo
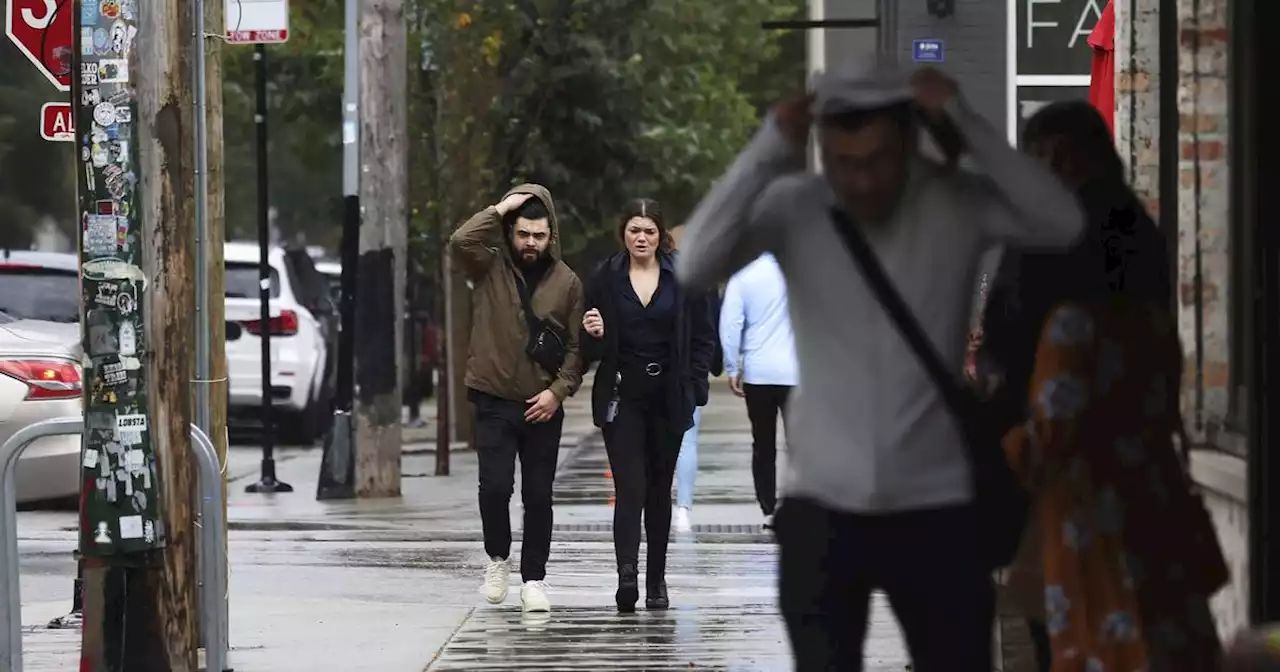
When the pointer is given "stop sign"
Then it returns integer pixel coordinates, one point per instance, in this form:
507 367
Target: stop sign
42 29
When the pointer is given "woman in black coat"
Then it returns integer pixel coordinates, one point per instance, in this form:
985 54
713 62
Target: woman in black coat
655 342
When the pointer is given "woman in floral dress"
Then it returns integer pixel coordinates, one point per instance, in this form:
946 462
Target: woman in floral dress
1130 557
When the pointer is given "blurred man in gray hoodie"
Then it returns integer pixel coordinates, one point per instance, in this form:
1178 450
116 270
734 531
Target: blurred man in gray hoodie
879 494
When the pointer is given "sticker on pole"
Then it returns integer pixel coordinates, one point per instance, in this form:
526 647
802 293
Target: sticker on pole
926 51
57 122
257 21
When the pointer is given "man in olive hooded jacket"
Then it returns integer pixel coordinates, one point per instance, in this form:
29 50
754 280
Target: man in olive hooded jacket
511 254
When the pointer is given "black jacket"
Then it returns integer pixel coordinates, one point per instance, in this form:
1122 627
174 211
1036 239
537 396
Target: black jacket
1121 252
693 348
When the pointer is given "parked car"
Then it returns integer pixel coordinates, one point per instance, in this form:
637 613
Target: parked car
40 379
40 285
420 329
303 338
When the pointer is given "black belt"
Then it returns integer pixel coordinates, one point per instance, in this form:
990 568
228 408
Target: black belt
649 369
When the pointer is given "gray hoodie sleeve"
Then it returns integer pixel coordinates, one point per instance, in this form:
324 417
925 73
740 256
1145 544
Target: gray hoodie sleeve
1025 204
734 223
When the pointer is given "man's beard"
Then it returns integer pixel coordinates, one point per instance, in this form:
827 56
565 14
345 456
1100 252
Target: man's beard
532 258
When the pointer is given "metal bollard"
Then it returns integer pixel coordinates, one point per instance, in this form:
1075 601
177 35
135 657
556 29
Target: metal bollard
213 590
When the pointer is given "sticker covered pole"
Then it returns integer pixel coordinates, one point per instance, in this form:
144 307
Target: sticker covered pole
133 101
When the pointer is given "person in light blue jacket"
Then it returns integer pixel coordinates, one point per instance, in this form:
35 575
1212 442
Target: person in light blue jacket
760 361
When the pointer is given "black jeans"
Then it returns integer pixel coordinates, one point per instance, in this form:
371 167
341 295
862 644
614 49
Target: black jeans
926 562
764 404
501 434
643 447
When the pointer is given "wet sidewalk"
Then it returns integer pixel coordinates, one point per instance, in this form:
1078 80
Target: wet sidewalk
722 581
391 585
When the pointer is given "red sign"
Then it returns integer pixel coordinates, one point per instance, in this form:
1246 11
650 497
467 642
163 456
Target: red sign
57 122
42 30
257 36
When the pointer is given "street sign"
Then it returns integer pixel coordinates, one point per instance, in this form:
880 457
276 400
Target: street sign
1048 47
57 122
1052 36
926 51
257 21
41 29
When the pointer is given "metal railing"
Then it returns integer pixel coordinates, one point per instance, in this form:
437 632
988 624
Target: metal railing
211 560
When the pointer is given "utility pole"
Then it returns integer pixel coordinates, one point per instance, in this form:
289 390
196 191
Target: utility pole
215 236
337 467
383 246
135 107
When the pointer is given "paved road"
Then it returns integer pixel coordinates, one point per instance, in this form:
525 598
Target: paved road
390 585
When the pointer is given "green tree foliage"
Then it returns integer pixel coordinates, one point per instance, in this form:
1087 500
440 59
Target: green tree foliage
37 178
601 100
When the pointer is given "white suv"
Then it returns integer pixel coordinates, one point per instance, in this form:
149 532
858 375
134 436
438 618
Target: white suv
303 333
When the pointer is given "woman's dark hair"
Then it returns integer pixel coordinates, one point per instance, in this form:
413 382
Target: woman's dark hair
649 208
1084 129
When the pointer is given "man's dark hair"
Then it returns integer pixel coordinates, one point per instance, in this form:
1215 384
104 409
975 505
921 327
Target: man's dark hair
900 114
1085 132
533 208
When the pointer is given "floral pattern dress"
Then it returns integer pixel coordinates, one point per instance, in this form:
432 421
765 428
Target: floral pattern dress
1130 556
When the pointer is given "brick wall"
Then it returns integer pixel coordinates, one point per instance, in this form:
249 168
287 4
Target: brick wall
1203 251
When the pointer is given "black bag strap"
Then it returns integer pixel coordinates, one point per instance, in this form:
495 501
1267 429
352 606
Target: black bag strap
526 301
908 326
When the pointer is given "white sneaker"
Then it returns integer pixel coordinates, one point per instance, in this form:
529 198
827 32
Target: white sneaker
533 597
681 520
768 522
497 580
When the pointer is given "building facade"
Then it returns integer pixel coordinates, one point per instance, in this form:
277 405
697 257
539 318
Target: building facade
1186 105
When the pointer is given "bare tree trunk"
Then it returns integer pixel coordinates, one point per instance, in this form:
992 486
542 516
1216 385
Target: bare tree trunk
380 335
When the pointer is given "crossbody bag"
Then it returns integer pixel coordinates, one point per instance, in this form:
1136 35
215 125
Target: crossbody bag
1001 502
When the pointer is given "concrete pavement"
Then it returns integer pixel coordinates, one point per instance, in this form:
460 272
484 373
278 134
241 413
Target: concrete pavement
391 585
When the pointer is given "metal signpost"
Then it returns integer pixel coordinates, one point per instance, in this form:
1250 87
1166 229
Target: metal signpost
262 22
337 468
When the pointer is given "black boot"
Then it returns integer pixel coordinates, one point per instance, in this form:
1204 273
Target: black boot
656 595
628 589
